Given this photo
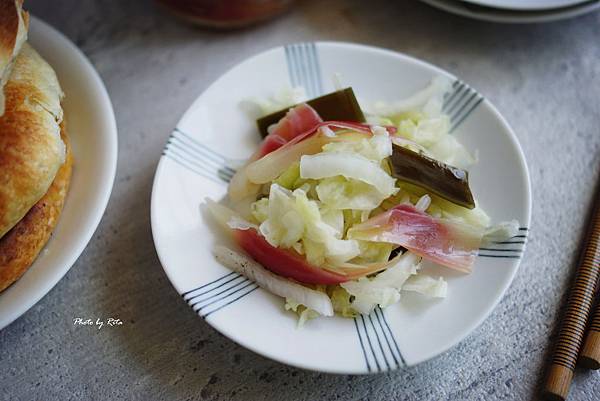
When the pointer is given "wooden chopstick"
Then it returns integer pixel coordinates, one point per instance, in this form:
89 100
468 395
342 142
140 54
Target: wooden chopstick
590 355
576 314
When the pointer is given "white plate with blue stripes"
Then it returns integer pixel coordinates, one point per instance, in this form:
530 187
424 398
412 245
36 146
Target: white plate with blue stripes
215 132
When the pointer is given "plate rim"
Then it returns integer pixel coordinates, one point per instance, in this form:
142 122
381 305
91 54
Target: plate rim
520 7
29 300
518 17
501 119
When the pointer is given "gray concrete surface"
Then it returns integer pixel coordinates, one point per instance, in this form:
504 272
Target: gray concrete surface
544 78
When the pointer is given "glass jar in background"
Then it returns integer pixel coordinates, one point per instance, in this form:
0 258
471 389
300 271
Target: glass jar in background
226 14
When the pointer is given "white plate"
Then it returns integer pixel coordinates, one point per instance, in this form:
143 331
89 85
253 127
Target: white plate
513 16
215 130
93 133
526 4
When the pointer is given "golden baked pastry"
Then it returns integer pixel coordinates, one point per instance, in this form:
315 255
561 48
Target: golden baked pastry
13 33
35 162
21 245
31 150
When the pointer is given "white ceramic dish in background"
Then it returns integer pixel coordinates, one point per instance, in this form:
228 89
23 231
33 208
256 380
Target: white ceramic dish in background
513 16
526 4
215 132
93 133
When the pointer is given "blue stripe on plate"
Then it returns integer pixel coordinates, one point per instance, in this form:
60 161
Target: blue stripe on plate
197 157
316 63
501 249
226 285
391 335
304 67
389 338
294 81
456 92
200 162
242 295
201 149
377 342
370 343
220 299
456 110
500 256
459 119
208 284
460 103
295 69
512 248
175 158
362 345
217 294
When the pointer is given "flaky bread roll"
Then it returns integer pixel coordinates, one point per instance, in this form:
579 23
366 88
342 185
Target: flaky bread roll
31 149
22 244
14 23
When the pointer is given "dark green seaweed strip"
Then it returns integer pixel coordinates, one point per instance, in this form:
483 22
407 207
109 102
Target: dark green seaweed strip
337 106
448 182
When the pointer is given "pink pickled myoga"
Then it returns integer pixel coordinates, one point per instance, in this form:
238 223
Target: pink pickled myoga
445 242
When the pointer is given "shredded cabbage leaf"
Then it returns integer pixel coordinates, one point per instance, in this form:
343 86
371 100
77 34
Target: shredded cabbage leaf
352 166
426 285
420 119
501 232
375 148
348 191
293 217
429 100
341 301
257 107
383 289
304 314
342 193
